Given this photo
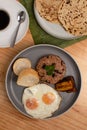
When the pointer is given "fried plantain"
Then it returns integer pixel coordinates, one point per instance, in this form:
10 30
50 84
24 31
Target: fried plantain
67 84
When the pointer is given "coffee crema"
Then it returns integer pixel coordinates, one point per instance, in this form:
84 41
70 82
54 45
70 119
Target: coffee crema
4 19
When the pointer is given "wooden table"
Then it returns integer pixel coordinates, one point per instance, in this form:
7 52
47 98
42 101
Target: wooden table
74 119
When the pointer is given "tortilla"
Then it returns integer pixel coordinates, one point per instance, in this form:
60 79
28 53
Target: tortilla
72 14
48 9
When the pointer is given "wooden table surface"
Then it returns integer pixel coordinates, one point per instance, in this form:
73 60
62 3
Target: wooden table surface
74 119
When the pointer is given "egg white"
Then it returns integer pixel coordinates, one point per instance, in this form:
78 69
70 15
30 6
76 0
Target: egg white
43 110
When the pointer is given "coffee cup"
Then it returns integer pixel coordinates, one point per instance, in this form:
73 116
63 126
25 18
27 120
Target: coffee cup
4 19
9 11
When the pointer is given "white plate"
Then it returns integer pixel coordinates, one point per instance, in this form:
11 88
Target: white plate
53 29
13 7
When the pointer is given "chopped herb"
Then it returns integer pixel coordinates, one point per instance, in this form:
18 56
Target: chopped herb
49 69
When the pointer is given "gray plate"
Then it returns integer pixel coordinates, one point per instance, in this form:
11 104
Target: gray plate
15 92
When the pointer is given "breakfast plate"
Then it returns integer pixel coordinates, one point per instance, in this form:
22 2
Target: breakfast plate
53 29
15 92
12 8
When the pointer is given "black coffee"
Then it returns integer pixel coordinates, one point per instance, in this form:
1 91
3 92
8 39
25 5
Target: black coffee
4 19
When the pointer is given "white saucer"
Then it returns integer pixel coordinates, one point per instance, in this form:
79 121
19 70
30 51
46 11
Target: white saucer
13 7
53 29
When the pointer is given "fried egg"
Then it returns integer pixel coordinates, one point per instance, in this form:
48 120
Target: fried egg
41 100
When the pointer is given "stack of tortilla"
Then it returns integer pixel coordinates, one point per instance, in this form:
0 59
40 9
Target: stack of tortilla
71 14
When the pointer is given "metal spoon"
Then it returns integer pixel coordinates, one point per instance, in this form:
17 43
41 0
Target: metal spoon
21 19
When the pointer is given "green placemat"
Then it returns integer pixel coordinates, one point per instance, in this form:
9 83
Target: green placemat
39 35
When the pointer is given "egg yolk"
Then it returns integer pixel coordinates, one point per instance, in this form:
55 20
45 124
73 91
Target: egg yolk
48 98
32 103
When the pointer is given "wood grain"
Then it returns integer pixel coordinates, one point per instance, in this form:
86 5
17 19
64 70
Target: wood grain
74 119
